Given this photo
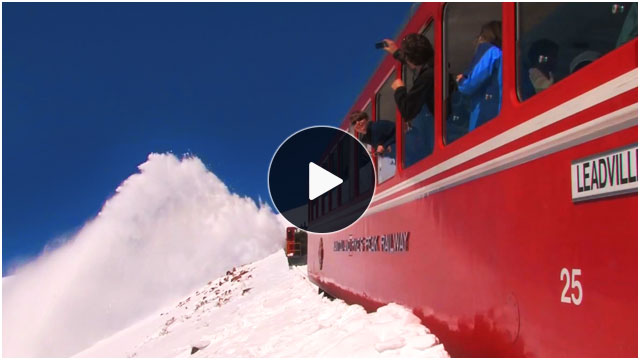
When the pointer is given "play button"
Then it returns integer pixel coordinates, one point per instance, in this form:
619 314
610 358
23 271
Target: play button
321 179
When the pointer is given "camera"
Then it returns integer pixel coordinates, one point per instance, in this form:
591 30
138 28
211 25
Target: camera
381 45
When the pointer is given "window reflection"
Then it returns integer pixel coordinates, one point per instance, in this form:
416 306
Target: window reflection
558 39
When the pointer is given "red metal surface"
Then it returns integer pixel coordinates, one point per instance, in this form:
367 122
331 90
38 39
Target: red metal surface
291 241
484 260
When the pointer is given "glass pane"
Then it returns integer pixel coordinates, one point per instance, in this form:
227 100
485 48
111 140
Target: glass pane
386 111
473 66
364 174
325 204
346 169
334 168
325 197
418 133
558 39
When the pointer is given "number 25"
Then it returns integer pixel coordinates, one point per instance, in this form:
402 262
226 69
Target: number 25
564 273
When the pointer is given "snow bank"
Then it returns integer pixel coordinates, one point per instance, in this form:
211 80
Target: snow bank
266 310
167 229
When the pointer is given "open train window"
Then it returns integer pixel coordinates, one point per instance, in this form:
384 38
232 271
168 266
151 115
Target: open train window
417 133
472 66
386 111
557 39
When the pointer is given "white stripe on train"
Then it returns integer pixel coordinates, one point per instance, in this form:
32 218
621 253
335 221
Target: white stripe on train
606 91
615 121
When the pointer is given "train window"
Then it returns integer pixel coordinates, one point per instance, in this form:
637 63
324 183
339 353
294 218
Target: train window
386 111
334 170
417 133
363 175
346 171
557 39
310 211
473 70
325 204
325 197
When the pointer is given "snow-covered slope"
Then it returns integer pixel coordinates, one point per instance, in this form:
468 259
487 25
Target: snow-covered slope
265 309
168 228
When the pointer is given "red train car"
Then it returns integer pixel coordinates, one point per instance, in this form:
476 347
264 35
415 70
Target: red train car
291 242
519 237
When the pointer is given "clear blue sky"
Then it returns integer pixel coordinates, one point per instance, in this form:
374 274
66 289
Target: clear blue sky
88 90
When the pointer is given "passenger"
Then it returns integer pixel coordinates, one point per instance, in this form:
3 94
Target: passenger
381 134
417 53
542 57
482 82
415 104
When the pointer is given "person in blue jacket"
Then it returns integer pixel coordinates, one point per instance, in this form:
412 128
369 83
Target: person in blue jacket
482 82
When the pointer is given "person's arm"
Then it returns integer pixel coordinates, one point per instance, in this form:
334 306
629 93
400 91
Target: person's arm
480 73
393 49
390 134
410 102
383 133
390 141
399 55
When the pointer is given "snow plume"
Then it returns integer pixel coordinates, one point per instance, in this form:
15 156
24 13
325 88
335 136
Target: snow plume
167 230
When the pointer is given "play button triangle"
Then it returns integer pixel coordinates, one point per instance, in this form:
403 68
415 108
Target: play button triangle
321 181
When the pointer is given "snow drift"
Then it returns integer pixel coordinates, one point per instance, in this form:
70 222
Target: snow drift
264 309
167 230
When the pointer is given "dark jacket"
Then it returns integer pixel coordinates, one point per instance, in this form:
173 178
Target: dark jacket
410 102
381 132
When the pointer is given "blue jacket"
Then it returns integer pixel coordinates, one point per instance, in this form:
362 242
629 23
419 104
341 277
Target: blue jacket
482 82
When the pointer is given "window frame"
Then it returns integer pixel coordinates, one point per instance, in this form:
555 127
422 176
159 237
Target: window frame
374 116
443 74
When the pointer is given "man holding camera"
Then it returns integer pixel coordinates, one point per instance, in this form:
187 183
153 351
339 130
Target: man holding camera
415 104
417 53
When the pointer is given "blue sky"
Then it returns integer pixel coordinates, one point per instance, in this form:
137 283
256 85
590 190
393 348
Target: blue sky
89 90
